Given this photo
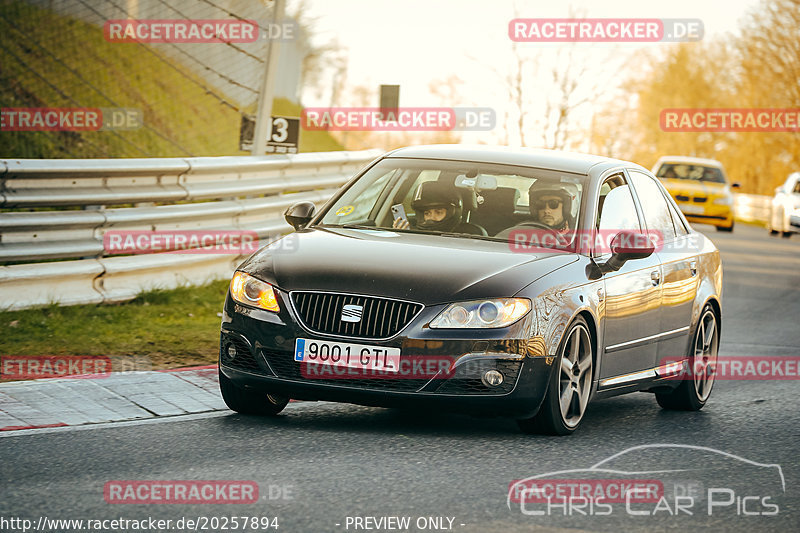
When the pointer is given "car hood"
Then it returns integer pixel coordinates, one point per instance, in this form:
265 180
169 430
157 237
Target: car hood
695 188
429 269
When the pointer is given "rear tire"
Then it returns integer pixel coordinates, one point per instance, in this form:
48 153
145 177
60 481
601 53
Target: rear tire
694 391
786 234
249 402
569 387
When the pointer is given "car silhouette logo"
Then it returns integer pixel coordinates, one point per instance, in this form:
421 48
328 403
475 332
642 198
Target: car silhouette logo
352 313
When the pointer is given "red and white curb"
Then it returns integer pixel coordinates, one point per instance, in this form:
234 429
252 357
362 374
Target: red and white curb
121 396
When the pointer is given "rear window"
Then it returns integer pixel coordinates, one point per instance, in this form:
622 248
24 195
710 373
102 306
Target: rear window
685 171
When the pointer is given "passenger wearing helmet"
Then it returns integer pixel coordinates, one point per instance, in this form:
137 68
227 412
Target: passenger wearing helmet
438 207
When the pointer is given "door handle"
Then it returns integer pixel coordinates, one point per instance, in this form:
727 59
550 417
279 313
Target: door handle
655 277
693 267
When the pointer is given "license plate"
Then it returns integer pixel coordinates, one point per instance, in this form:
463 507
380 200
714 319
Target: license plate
691 209
347 355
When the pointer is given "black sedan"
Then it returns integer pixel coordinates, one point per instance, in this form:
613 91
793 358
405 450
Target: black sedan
492 281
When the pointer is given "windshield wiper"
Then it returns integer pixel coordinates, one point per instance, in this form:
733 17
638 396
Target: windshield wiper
351 226
359 226
472 236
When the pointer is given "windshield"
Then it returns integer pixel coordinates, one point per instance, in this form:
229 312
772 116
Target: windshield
686 171
450 198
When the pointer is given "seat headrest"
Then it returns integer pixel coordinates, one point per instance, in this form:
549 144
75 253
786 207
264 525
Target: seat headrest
503 199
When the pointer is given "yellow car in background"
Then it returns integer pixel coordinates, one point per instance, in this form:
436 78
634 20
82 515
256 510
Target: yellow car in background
700 188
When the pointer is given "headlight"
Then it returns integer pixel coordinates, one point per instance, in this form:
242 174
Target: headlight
251 291
495 313
724 200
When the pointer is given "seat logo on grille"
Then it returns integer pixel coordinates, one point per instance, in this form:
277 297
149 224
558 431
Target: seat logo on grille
352 313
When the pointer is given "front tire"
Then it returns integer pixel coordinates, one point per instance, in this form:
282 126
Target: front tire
248 402
569 387
693 392
729 229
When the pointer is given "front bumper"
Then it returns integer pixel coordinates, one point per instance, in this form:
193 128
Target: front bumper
794 221
718 215
264 361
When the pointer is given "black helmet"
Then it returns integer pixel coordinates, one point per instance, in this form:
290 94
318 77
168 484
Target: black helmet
568 193
435 194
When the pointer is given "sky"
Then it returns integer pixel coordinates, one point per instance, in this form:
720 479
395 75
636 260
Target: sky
412 42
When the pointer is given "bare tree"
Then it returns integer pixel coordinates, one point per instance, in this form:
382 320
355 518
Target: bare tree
318 59
568 76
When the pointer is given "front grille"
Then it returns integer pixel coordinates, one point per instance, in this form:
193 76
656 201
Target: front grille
681 198
244 359
381 318
700 199
284 366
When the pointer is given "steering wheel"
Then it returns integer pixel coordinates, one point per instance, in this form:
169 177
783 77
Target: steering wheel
533 224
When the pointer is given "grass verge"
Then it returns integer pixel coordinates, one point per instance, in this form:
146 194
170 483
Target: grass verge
172 328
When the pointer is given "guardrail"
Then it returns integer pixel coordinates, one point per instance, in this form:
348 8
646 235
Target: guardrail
752 207
205 193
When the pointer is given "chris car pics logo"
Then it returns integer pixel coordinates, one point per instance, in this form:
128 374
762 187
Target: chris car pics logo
655 480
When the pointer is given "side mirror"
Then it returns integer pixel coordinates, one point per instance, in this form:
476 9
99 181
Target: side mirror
736 185
628 245
299 214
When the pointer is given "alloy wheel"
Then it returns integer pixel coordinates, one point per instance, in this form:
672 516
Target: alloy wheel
705 355
575 376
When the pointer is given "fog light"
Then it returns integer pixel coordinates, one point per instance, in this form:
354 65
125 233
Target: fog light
492 378
231 351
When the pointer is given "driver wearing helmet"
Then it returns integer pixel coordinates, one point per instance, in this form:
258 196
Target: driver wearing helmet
438 207
551 204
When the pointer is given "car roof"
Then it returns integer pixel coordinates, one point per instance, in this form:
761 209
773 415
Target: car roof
529 157
686 159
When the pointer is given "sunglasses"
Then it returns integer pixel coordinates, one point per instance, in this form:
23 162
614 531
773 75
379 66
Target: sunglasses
541 204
